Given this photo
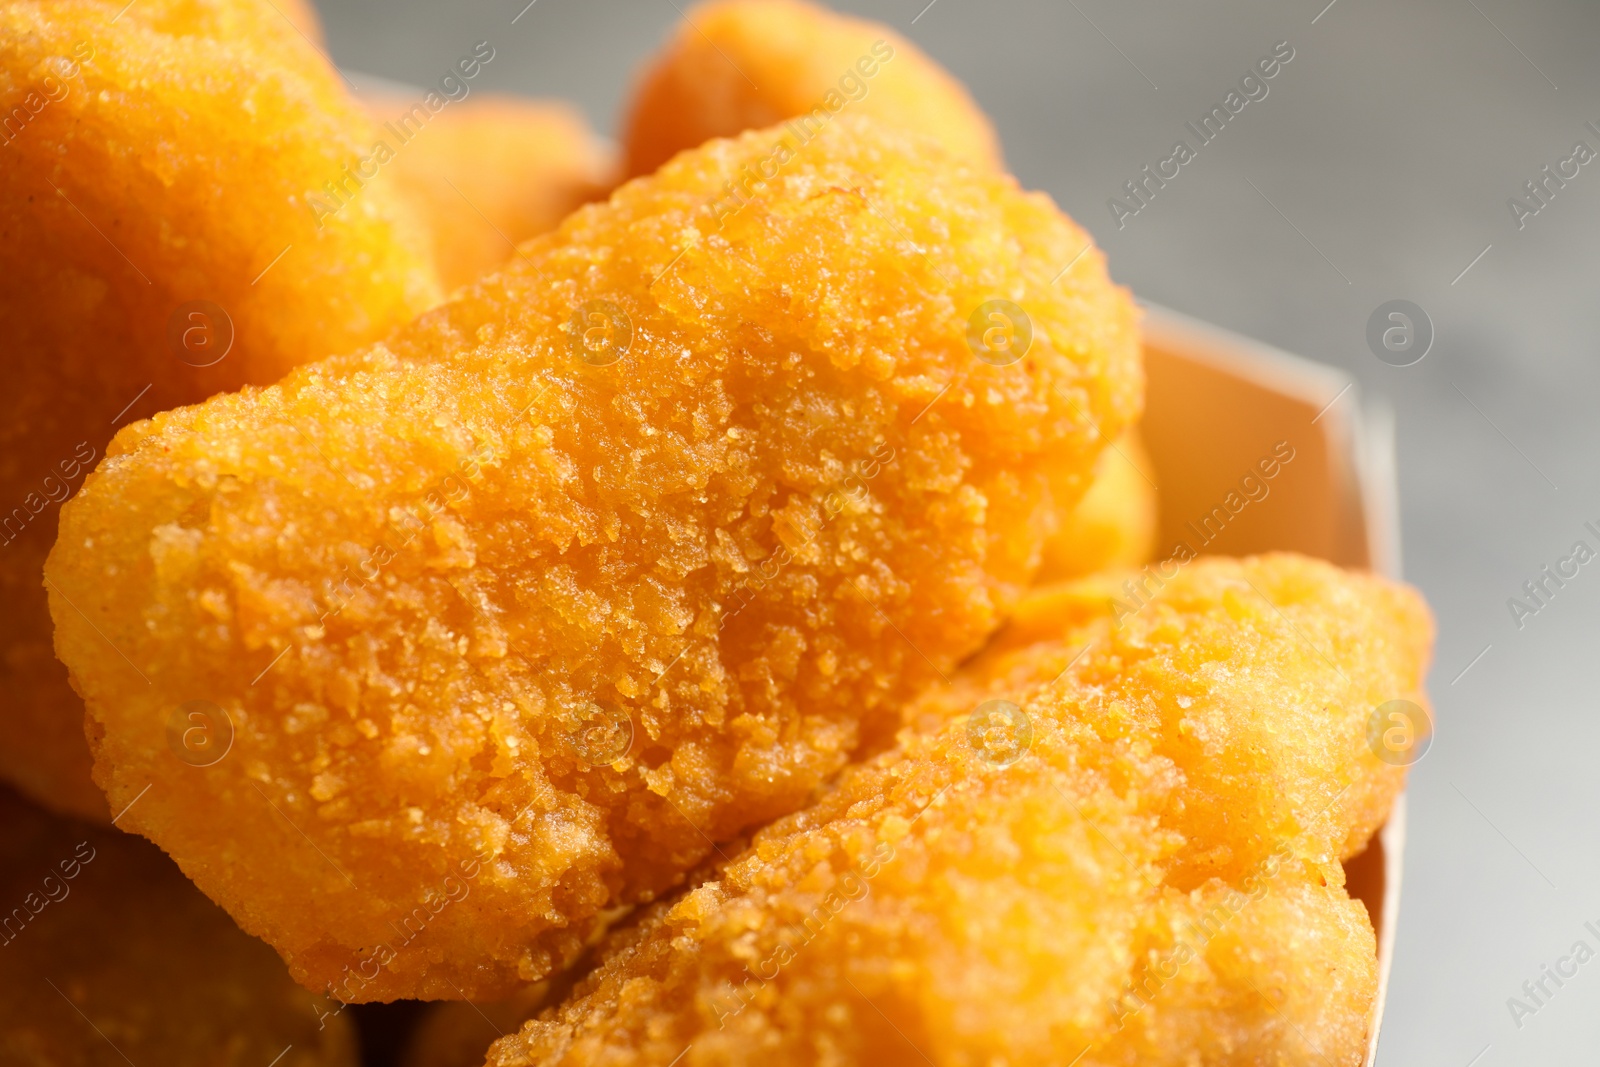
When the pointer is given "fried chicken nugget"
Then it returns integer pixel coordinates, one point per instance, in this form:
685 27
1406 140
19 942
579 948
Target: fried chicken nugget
736 65
1114 525
492 171
1012 884
797 53
1284 974
725 485
159 154
112 956
1353 635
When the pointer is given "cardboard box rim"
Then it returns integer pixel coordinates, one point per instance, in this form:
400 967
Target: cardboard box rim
1346 510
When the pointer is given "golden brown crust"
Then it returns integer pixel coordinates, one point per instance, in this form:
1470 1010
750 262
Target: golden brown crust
736 65
410 575
941 904
157 156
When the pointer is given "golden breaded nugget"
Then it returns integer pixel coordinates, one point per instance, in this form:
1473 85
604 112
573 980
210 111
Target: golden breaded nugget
1286 973
1114 525
159 247
736 65
625 549
112 957
1014 884
796 53
492 171
1353 635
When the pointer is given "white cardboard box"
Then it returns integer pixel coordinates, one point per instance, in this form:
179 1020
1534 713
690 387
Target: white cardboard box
1216 403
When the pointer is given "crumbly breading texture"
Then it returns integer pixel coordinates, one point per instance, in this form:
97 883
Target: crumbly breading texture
1266 740
941 904
161 973
797 53
1114 525
492 171
158 154
735 65
423 579
1286 974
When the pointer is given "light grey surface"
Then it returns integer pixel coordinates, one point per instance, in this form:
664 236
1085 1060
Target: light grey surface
1391 143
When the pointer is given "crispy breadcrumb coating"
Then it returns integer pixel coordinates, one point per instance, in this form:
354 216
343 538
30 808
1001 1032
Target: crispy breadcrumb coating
158 153
796 53
112 957
1285 974
735 65
1015 883
1114 525
756 497
1360 641
489 172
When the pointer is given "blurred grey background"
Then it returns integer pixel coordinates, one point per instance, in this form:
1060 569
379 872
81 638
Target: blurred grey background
1382 160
